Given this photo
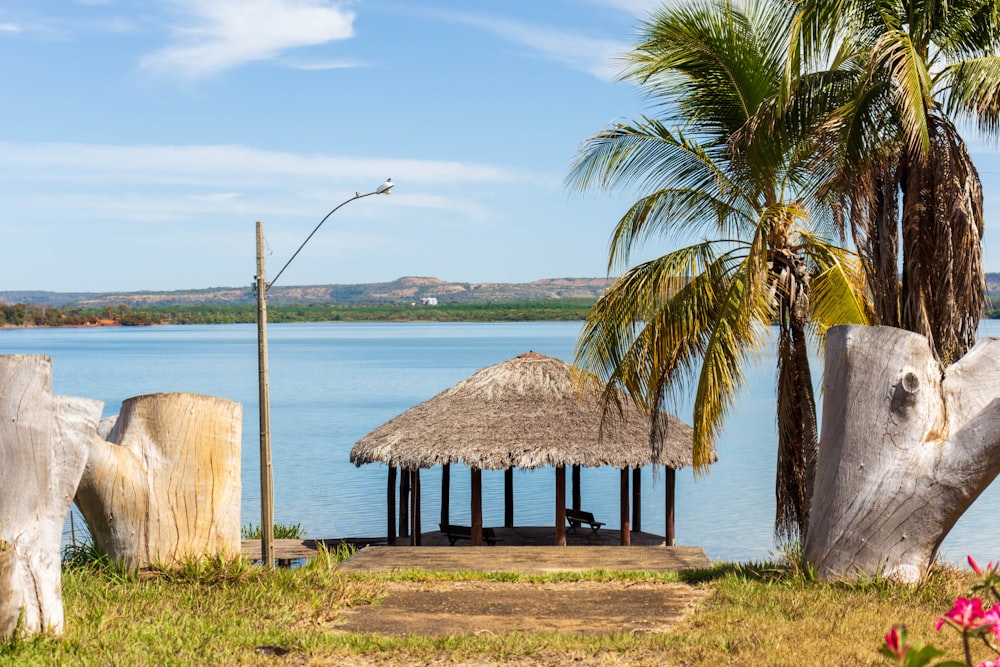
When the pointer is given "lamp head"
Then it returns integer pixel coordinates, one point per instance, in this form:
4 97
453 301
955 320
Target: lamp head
385 187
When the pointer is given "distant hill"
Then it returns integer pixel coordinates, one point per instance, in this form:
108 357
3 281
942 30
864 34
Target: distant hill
403 290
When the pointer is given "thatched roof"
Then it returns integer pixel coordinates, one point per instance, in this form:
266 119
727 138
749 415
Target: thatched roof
526 412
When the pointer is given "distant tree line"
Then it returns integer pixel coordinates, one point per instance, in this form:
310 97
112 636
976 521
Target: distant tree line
23 315
992 306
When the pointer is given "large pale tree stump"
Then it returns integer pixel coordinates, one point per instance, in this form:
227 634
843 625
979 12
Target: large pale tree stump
44 441
906 447
11 597
166 485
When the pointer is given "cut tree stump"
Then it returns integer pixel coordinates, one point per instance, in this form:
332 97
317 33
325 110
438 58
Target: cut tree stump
10 597
166 485
44 441
906 447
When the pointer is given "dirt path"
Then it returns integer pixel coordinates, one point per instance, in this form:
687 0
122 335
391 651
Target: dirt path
461 607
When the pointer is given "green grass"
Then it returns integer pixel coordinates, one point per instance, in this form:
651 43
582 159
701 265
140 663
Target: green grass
216 612
519 578
203 612
281 531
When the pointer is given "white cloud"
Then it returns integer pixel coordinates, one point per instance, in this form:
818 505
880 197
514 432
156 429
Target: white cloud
466 207
158 183
223 34
218 197
216 166
117 26
330 64
594 55
10 27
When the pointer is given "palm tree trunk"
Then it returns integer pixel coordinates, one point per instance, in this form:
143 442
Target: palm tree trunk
797 433
810 431
884 246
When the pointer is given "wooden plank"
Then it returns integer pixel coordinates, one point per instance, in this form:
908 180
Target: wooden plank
527 560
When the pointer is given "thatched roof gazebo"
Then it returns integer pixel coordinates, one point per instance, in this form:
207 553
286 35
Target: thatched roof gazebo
526 412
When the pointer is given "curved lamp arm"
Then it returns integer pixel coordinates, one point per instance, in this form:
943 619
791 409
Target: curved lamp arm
380 190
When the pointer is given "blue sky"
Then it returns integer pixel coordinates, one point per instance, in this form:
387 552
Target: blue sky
140 140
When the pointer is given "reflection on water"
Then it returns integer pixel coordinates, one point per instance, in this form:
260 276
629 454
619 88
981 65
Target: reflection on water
331 383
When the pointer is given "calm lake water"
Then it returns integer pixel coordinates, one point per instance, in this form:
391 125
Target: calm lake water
332 383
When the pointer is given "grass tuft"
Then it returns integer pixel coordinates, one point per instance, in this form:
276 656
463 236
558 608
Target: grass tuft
282 531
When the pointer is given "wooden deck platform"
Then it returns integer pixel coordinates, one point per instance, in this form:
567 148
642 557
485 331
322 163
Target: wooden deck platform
527 549
526 560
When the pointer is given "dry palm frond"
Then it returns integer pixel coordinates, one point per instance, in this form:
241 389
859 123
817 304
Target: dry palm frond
945 287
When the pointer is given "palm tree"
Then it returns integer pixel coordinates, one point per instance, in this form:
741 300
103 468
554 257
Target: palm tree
909 70
728 162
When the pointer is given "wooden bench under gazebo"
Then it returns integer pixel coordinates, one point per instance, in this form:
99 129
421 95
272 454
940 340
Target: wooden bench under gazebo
527 412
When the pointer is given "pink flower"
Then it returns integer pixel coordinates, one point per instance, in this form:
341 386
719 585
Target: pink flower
991 620
969 616
965 615
990 663
894 643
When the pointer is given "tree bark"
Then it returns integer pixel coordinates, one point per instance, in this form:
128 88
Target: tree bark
906 447
166 485
10 595
43 449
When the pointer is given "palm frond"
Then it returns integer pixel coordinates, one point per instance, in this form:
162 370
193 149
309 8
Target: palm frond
712 63
674 294
737 335
648 155
650 332
969 30
838 293
675 213
972 88
896 52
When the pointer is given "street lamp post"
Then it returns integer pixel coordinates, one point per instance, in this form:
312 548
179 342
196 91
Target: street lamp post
261 287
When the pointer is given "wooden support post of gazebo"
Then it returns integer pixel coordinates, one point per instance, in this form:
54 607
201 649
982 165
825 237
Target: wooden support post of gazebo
671 486
391 505
415 538
476 537
445 494
404 502
560 506
577 505
508 498
637 499
626 532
